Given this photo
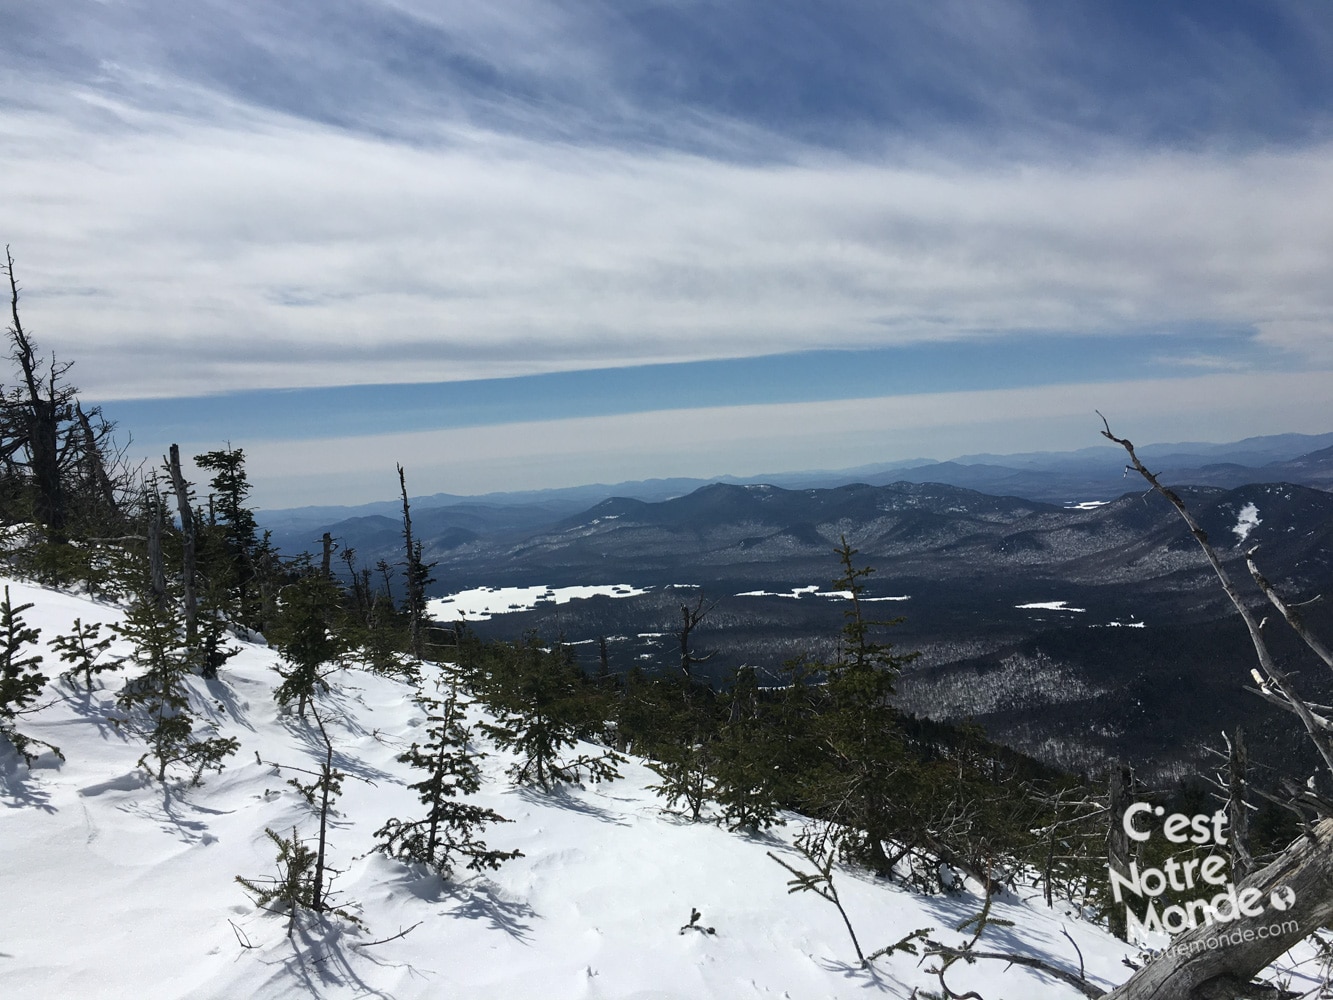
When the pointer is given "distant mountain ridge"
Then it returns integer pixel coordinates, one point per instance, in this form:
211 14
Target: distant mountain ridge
1061 478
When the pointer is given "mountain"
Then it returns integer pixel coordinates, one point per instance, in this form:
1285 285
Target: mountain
1032 619
1030 616
1053 477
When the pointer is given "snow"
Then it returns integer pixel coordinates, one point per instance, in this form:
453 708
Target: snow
115 887
813 589
483 603
1049 606
1087 505
1246 521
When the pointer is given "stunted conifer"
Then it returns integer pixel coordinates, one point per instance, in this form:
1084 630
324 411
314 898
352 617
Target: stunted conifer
451 828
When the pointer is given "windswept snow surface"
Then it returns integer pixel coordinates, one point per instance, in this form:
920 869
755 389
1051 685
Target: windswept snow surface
115 887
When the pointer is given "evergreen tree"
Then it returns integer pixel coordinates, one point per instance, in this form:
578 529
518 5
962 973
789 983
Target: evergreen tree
673 723
307 636
451 828
241 566
863 766
543 707
294 887
156 704
83 649
21 682
305 877
749 782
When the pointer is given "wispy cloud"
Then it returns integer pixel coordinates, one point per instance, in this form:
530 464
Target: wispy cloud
285 254
757 439
235 194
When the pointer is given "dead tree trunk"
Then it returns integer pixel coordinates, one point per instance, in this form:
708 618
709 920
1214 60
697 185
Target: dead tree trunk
690 617
1118 848
1218 962
182 488
416 600
157 574
1238 814
39 423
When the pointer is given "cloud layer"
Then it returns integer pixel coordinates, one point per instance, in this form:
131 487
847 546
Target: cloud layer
245 195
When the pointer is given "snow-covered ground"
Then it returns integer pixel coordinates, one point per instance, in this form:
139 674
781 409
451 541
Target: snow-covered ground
113 886
1246 521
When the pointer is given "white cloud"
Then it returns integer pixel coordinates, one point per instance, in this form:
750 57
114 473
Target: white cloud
754 439
173 256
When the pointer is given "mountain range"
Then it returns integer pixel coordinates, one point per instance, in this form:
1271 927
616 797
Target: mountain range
1073 631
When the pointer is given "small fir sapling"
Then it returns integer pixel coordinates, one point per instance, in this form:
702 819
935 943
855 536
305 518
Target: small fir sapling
298 884
305 639
21 682
450 830
84 649
305 878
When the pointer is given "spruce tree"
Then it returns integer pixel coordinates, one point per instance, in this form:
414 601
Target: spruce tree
450 830
21 682
673 724
307 636
156 704
749 782
84 649
863 766
543 707
231 537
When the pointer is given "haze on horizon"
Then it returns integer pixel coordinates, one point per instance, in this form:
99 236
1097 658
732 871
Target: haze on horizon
548 242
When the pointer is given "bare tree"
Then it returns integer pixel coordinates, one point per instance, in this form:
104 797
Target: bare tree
54 455
690 618
1219 961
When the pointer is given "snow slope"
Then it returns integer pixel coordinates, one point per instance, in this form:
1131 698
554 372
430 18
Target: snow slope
115 887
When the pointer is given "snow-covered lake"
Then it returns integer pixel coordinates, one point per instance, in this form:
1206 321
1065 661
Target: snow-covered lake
813 591
483 603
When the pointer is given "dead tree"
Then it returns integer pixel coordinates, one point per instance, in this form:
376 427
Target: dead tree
417 574
690 617
1192 969
35 412
186 513
55 455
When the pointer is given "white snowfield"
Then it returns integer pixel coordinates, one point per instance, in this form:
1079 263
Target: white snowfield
1246 521
483 603
114 886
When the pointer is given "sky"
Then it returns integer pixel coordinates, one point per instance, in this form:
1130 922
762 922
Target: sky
544 243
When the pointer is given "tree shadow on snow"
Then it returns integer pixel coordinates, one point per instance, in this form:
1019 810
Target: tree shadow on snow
480 899
306 732
18 789
869 978
562 798
225 704
322 961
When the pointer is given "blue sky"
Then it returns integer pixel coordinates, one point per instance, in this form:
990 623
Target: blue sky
539 243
